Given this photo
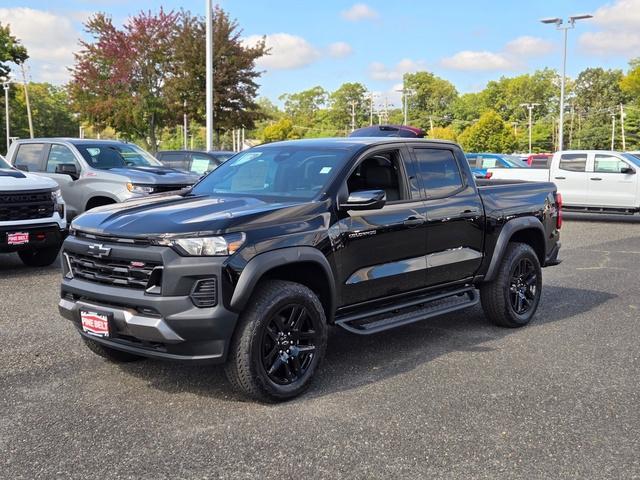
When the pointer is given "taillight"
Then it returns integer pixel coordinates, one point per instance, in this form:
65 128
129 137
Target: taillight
488 175
559 209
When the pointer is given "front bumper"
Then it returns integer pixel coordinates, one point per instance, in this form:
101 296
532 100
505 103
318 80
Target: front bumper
43 235
167 326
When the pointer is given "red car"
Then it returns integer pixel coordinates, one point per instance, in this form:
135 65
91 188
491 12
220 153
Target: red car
539 160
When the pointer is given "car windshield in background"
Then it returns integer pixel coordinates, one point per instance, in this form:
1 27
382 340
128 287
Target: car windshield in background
105 156
633 158
3 163
515 161
275 173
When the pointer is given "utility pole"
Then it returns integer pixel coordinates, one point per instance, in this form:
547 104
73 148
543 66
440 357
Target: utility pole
571 128
515 129
184 126
624 142
26 99
565 27
371 96
430 126
209 75
530 107
352 104
613 130
5 85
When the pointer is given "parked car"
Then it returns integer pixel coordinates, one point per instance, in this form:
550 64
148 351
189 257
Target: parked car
32 216
91 173
598 181
250 266
480 163
193 161
388 131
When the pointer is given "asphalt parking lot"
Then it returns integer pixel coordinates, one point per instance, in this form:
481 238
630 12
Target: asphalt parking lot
453 397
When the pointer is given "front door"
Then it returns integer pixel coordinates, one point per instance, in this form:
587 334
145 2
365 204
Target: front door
71 191
609 186
381 252
455 219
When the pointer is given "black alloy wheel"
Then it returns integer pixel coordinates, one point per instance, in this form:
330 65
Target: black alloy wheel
523 286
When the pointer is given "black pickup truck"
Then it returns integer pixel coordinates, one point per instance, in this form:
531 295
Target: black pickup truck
251 265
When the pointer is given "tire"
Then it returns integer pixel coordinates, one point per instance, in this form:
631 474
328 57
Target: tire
111 354
39 258
262 363
499 297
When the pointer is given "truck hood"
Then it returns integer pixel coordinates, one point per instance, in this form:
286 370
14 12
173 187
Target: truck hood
156 175
16 180
186 214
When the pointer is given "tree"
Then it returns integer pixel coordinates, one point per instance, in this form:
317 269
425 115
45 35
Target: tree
341 102
281 130
11 50
303 106
432 99
630 83
443 133
489 134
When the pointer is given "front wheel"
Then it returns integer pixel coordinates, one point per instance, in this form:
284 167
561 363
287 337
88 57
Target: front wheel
279 342
512 297
42 257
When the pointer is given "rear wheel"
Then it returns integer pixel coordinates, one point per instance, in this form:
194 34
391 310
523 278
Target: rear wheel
111 354
279 342
512 298
42 257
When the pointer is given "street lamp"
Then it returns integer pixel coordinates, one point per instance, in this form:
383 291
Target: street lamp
561 25
530 107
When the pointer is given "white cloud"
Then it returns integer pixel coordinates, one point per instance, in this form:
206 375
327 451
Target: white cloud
340 50
479 60
50 40
528 46
286 51
620 30
360 11
379 71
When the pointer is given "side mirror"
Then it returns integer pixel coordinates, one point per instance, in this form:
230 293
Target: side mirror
627 170
365 200
67 169
24 168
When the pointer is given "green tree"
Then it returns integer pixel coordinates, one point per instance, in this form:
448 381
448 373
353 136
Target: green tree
281 130
432 99
443 133
303 106
489 134
11 50
341 102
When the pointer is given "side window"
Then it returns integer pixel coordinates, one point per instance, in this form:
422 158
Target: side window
59 154
540 162
491 163
573 162
174 160
30 155
608 164
202 164
438 171
380 171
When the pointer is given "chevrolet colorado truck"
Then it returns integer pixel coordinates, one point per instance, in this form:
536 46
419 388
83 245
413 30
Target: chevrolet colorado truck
32 216
251 265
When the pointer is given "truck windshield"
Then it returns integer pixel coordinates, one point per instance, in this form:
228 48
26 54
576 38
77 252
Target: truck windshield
104 156
275 173
633 158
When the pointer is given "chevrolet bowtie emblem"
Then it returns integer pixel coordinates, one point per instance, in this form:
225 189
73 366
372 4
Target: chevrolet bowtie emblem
97 250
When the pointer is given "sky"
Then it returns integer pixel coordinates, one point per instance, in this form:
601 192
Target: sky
329 42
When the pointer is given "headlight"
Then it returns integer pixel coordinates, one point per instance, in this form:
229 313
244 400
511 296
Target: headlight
56 196
133 188
223 245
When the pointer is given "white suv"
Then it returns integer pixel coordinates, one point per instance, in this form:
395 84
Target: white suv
32 216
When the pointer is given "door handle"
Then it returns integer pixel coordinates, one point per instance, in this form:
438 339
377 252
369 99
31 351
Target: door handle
597 179
413 221
560 178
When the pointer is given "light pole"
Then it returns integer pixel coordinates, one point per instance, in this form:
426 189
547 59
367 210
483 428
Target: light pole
5 85
613 130
530 107
184 126
209 75
561 25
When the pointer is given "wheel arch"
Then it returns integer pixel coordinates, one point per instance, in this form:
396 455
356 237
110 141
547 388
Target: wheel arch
528 230
98 200
304 265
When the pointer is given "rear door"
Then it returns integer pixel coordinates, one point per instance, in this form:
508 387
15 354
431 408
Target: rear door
608 186
571 177
30 157
455 218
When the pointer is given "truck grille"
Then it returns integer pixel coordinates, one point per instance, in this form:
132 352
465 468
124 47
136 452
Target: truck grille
167 188
118 273
25 205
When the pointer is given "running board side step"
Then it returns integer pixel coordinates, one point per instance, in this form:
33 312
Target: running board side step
396 315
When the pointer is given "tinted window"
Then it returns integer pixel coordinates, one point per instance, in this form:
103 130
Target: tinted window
540 162
608 164
30 155
202 163
275 173
171 156
59 154
573 162
438 171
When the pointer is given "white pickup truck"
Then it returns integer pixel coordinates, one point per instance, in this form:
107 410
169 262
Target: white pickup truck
596 181
32 216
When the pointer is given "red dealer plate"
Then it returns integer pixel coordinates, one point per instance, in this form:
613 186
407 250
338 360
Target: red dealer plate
17 238
95 323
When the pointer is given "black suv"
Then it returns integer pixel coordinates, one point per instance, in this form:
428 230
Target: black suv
251 265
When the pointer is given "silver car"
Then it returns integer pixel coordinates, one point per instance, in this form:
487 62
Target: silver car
96 172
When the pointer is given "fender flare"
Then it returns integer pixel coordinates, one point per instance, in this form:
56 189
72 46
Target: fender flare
262 263
509 228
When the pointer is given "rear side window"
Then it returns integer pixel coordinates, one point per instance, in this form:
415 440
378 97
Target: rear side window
540 162
438 172
30 155
608 164
573 162
59 154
